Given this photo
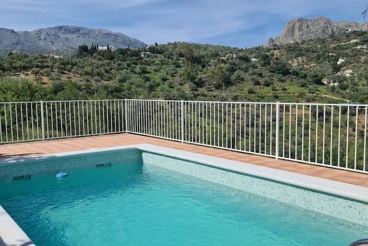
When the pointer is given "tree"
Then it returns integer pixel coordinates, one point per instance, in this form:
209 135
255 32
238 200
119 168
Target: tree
188 54
244 58
237 77
336 68
189 74
221 78
83 50
280 68
36 71
69 92
93 49
251 90
265 60
20 90
316 79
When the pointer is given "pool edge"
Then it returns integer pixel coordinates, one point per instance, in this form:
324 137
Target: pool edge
10 231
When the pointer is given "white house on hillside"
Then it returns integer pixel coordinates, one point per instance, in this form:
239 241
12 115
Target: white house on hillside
341 60
112 48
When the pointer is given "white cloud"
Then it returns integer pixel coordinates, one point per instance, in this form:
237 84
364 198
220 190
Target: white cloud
117 3
173 20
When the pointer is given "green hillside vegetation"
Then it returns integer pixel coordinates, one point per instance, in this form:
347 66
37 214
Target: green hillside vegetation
299 72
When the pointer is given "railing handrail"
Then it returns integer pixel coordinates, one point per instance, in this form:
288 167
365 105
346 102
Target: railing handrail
61 101
255 102
193 101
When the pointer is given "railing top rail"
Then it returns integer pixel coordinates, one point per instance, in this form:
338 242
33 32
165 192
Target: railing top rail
185 101
327 104
92 100
273 103
154 100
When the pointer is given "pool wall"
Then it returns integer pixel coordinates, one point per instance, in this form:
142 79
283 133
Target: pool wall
332 205
23 168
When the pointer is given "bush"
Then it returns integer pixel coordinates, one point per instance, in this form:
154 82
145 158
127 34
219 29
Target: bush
251 91
97 79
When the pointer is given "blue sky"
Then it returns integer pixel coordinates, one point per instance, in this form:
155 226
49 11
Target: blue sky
241 23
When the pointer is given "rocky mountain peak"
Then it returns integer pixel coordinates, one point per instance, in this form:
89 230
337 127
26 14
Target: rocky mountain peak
300 29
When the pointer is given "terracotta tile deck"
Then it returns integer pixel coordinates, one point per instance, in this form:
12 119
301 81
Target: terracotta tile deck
63 145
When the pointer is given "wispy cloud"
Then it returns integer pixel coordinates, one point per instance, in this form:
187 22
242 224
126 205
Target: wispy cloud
176 20
118 3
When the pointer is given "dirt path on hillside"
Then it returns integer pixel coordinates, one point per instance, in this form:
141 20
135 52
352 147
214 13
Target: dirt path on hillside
337 98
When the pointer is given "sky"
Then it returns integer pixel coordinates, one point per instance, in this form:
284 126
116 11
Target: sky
238 23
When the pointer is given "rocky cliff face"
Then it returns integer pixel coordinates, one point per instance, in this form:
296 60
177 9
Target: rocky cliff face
300 29
61 39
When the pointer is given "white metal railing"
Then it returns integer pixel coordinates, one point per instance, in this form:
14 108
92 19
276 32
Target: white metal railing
332 135
30 121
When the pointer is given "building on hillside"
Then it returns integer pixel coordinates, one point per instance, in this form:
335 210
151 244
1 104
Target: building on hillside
329 82
230 56
341 60
347 73
112 48
55 56
351 29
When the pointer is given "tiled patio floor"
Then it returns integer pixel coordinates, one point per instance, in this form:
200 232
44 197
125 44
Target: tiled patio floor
63 145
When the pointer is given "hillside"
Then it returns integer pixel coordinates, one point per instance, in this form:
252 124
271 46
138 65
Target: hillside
61 40
300 29
306 71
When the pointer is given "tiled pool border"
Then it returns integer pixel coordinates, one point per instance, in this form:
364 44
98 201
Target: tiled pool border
51 164
338 189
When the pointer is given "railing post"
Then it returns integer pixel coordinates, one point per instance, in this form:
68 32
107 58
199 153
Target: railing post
126 114
277 129
42 121
182 120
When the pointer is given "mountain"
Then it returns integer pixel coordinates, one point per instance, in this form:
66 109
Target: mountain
61 40
300 29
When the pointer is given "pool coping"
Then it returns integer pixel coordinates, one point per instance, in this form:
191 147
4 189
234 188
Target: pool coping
11 233
18 237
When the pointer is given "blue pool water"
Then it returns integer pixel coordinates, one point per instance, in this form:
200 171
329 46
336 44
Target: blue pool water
136 204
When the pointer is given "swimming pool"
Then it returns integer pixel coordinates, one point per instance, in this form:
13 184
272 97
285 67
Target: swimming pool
146 198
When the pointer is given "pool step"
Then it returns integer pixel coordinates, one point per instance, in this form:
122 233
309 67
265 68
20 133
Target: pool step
22 177
103 165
